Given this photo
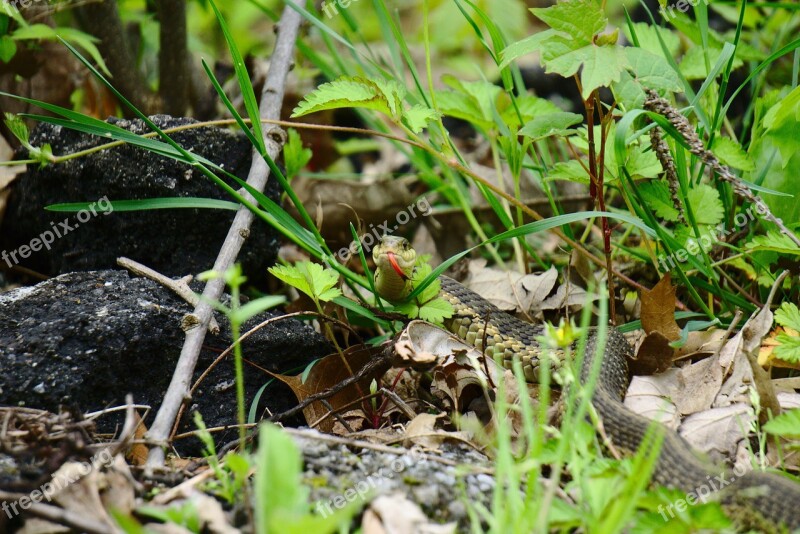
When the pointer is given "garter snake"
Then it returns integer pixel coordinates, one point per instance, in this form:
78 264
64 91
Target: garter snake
757 500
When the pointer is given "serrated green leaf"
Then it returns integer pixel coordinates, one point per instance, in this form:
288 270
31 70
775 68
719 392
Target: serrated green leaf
482 94
550 124
647 36
706 205
789 348
571 171
436 311
461 106
417 117
657 196
788 315
731 153
693 64
311 278
653 71
786 424
343 93
291 275
774 241
602 65
640 162
580 19
295 155
17 127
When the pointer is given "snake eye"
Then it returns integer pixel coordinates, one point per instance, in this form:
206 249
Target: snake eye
405 244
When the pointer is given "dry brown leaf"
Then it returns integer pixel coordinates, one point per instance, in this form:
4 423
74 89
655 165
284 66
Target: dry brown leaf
137 454
650 396
328 372
568 297
653 356
396 514
699 385
509 290
718 430
658 309
422 431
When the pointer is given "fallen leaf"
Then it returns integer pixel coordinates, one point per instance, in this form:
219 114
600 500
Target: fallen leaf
653 356
328 372
718 429
658 309
649 396
396 514
422 431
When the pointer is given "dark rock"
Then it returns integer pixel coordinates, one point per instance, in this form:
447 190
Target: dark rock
172 241
87 339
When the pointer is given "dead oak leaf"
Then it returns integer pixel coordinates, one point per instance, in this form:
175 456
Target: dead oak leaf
658 309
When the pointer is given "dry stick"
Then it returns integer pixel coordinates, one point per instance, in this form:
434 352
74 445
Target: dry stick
270 106
179 287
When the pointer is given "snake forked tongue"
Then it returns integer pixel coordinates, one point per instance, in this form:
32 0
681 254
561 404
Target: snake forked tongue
396 266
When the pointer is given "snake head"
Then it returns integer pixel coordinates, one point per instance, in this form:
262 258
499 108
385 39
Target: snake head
394 264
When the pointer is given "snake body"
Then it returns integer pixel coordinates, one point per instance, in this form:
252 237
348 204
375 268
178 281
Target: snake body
756 500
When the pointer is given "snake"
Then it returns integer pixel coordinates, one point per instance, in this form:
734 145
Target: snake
766 502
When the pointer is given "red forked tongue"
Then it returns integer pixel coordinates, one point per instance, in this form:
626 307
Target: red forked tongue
396 266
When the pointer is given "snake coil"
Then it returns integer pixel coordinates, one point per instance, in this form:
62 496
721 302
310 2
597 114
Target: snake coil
756 500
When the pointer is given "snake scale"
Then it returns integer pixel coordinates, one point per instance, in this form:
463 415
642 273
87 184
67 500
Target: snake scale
756 500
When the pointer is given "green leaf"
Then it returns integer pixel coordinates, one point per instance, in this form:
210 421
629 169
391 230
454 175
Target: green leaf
774 241
295 156
781 123
786 424
580 19
436 311
732 154
693 64
417 117
706 205
8 48
653 71
148 204
310 278
571 170
602 65
648 38
657 195
788 315
17 127
789 348
551 124
342 93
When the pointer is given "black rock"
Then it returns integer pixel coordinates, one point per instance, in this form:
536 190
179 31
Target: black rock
87 339
172 241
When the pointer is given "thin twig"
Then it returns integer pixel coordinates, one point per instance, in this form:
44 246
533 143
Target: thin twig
179 287
270 107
